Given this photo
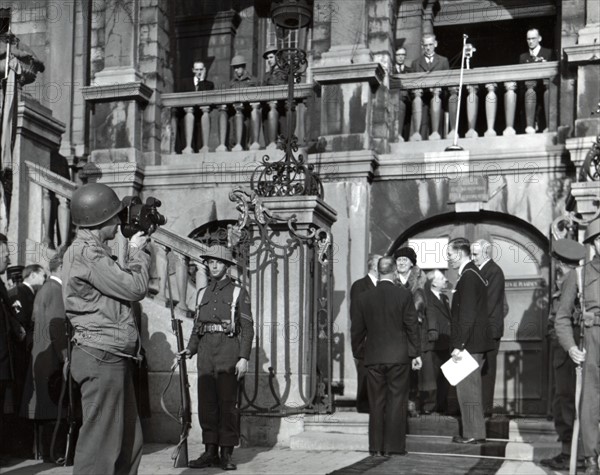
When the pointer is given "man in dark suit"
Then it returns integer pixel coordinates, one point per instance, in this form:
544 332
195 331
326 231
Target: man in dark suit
403 97
10 329
198 81
481 252
469 332
432 104
386 317
536 53
367 282
438 320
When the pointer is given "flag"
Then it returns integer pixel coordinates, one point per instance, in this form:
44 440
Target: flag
8 112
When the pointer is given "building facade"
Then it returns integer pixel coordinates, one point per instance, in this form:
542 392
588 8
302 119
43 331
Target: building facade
112 102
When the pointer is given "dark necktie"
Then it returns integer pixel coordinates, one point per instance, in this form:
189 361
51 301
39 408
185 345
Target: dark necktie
445 301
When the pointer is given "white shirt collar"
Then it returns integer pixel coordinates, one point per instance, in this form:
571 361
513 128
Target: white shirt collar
535 51
403 279
57 279
484 263
373 279
30 287
386 279
462 267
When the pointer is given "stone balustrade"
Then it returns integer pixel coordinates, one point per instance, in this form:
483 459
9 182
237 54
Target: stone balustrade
519 98
247 118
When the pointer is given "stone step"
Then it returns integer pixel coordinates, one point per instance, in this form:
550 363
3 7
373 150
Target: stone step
531 430
414 443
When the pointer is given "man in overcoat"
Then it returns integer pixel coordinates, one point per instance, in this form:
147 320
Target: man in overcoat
469 332
386 317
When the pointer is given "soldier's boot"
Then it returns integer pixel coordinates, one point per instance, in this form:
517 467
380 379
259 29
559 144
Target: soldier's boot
210 458
226 459
591 466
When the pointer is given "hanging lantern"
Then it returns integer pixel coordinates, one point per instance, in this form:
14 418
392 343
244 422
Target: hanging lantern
291 14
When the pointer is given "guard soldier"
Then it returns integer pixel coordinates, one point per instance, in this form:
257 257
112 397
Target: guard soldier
97 293
590 356
567 253
222 339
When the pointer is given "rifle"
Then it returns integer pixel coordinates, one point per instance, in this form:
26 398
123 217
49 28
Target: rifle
578 378
180 454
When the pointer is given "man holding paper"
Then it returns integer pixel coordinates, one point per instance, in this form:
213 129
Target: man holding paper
387 318
469 334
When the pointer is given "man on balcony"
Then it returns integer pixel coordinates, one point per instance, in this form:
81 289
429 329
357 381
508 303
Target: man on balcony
432 98
241 76
198 82
536 53
404 99
275 75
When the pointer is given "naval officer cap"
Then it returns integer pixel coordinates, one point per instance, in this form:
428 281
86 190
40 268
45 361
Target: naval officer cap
568 251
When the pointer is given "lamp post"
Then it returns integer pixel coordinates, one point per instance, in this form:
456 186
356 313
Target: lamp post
291 175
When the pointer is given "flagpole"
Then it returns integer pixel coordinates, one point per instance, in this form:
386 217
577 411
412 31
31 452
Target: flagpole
8 42
455 147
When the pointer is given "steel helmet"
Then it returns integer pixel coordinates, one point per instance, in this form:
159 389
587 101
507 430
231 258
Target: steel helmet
592 231
238 60
220 253
94 204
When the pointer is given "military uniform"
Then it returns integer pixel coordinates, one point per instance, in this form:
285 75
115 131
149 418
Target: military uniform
219 344
590 400
97 293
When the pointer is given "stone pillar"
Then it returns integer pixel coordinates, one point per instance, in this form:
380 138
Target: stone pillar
410 27
586 55
37 135
348 34
284 322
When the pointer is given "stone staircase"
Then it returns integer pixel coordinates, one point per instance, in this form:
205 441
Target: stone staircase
526 439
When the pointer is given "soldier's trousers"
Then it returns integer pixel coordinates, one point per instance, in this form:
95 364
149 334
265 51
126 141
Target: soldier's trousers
563 403
110 438
217 389
590 396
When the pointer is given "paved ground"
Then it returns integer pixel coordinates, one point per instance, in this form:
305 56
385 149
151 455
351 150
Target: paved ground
282 461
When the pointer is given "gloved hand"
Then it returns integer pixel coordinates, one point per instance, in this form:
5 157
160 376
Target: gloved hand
432 335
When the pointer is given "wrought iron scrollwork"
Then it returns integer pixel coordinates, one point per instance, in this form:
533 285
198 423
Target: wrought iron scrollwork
291 175
590 170
565 226
275 253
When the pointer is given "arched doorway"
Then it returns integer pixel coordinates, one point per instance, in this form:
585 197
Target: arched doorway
522 253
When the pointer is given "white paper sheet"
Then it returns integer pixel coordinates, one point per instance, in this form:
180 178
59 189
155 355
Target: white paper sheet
455 372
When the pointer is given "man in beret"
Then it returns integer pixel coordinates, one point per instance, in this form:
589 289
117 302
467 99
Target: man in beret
589 356
222 338
567 254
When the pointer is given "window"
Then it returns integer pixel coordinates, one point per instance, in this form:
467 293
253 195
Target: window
281 37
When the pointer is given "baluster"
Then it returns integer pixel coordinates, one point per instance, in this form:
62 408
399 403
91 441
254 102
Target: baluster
472 107
205 124
272 123
46 210
417 115
181 274
162 271
222 128
174 129
547 103
188 129
530 106
401 117
239 126
435 107
64 220
510 107
300 117
255 127
491 108
452 105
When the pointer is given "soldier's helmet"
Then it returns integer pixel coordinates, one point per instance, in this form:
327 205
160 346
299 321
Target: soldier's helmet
238 60
220 253
568 251
592 231
94 204
270 49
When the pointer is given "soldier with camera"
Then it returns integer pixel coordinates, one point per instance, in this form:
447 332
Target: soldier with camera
222 339
97 293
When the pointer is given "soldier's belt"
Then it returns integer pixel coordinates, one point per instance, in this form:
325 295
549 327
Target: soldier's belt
213 328
591 319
